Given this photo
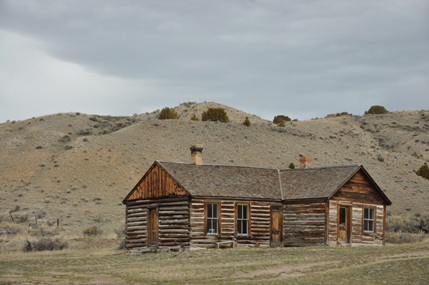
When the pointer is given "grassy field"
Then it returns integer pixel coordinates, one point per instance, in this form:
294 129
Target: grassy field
392 264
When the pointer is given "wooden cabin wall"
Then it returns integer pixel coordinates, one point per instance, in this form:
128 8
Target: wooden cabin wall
135 225
359 189
157 183
304 224
173 222
260 223
358 236
174 225
259 219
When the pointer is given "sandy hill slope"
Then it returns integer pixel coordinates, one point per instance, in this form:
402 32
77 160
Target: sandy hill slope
77 168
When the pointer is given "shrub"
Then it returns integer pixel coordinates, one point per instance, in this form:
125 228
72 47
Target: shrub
401 237
377 109
45 244
215 114
65 139
194 118
92 231
292 165
246 122
423 171
280 120
86 132
411 224
167 113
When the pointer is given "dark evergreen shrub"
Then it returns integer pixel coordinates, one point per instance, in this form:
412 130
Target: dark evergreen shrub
423 171
215 114
377 109
168 113
246 122
281 119
292 165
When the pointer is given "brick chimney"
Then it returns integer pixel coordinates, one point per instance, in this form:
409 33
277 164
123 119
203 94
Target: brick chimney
197 154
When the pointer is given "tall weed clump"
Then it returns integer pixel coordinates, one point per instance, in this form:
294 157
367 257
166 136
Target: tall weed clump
45 244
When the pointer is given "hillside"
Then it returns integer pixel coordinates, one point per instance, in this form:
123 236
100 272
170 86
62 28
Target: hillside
77 167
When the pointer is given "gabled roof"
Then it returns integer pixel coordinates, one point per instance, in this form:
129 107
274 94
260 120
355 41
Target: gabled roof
229 181
309 183
225 180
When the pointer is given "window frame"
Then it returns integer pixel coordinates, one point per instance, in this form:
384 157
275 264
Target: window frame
367 220
207 218
239 221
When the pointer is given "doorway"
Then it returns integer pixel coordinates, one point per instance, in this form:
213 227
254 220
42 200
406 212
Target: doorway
276 226
152 227
344 224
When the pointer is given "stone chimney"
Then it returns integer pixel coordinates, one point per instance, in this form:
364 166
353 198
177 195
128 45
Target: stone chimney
197 154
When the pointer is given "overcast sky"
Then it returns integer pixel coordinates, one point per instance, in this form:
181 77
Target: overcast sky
299 58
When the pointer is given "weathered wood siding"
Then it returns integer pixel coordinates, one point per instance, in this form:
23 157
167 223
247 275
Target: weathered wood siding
259 224
358 236
304 224
358 193
135 225
359 189
173 222
156 183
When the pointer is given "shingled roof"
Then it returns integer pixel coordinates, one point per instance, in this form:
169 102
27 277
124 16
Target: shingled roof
256 182
315 182
225 180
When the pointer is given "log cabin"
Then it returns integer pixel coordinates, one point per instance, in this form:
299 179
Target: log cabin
193 205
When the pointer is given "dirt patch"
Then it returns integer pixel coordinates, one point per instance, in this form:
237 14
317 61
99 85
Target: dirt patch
284 271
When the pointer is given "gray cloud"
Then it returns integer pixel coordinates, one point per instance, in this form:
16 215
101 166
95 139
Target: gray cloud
304 58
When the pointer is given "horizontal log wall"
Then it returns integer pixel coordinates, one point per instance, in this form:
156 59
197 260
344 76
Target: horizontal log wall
135 226
173 219
304 224
174 223
260 223
259 219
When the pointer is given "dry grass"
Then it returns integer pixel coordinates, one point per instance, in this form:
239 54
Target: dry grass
98 263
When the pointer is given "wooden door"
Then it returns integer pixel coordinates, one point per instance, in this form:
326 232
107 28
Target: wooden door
152 227
344 224
276 226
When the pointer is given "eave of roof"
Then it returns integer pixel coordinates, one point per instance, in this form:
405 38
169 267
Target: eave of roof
219 181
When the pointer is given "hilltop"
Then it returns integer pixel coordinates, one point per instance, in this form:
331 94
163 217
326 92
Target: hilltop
77 167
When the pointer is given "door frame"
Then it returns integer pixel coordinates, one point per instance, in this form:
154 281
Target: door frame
347 210
152 226
276 210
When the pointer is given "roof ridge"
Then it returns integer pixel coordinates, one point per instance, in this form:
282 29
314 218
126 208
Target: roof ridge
220 164
321 167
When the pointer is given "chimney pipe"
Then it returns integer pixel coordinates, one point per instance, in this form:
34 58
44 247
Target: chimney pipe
197 154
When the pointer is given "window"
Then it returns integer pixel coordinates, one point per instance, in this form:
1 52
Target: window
242 219
212 219
368 219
